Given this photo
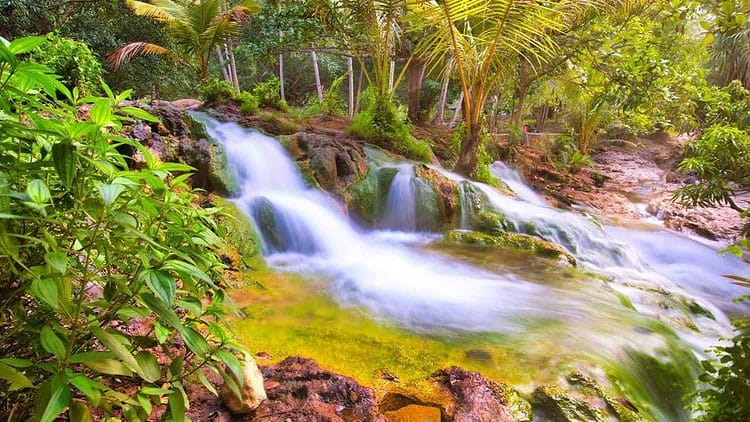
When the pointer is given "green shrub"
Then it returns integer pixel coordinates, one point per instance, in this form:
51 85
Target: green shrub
268 94
73 61
216 90
248 103
332 104
379 123
111 276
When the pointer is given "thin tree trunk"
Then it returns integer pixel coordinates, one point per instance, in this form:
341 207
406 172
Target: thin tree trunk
316 71
357 102
350 66
222 65
281 62
416 73
391 76
233 65
440 112
457 113
520 93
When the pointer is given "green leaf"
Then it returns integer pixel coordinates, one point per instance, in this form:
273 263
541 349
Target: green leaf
118 349
153 391
139 114
64 159
51 342
17 363
110 193
233 364
38 192
160 283
195 341
18 381
57 260
109 367
79 412
101 114
47 291
149 365
145 403
25 44
91 389
161 332
208 384
59 399
177 406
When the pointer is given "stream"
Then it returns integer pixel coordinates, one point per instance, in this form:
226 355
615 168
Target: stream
639 295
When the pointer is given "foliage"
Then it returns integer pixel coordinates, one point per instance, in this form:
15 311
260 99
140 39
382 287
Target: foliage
720 159
587 118
729 105
88 246
197 28
268 95
248 103
728 32
379 122
332 104
726 396
216 90
73 61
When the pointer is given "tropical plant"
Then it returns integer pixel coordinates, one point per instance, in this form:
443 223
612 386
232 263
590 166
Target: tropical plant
720 160
111 277
216 90
197 26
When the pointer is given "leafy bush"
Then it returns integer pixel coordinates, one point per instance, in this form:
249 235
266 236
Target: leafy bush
720 159
378 122
111 276
332 104
72 61
248 103
268 94
217 90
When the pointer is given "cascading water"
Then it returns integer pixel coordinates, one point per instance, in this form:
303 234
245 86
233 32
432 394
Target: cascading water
515 182
303 230
401 203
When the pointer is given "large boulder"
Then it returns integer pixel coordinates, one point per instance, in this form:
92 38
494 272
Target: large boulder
300 390
333 163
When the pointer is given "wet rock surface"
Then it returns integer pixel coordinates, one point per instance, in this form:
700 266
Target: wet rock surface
299 389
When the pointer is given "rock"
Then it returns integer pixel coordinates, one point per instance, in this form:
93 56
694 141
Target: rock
475 398
514 241
367 196
491 222
334 163
414 413
446 192
308 393
253 393
459 396
553 403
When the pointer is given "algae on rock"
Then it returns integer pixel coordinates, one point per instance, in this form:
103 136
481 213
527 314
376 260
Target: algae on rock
514 241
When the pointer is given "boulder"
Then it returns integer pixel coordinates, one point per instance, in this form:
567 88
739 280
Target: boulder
333 163
367 196
300 390
514 241
446 193
253 393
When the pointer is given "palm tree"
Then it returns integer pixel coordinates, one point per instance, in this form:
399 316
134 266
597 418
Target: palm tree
197 27
485 40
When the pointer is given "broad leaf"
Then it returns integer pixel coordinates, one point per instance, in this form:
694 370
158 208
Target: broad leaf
64 159
110 193
118 349
38 192
18 381
47 291
57 260
162 284
51 342
149 366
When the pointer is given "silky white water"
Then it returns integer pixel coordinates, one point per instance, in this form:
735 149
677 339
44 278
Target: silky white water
515 182
401 203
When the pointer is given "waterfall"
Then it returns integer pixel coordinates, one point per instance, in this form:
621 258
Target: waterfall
515 182
400 211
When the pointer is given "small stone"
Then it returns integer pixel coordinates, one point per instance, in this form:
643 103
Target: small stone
252 390
414 413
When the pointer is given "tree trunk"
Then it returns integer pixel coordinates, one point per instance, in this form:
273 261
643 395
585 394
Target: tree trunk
357 102
416 73
467 159
281 62
391 76
521 91
457 113
440 112
316 71
350 66
541 117
233 65
222 65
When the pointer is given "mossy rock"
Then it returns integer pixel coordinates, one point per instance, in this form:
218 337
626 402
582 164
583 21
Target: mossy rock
492 222
242 243
265 218
553 403
515 241
366 197
429 211
471 201
220 176
197 128
278 124
447 198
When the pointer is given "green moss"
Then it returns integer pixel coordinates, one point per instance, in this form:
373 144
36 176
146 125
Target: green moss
491 221
241 241
514 241
221 178
366 196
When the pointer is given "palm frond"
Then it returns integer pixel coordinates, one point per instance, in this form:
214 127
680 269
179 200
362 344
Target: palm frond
153 11
129 51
